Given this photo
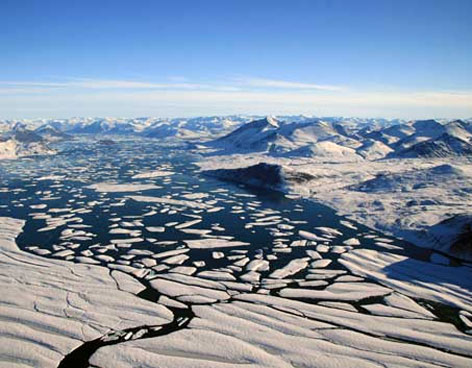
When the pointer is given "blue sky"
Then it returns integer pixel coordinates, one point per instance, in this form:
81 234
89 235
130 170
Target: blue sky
410 59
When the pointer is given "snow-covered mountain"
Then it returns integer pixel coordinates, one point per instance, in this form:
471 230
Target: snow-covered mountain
258 135
302 138
194 128
50 133
350 139
104 126
329 139
407 181
373 150
21 142
442 146
327 151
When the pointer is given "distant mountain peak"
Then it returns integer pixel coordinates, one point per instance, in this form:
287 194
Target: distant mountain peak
272 121
268 122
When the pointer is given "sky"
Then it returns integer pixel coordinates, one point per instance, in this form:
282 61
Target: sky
365 58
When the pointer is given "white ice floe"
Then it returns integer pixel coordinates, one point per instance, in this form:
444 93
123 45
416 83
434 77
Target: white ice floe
38 206
187 224
343 291
175 289
213 243
352 241
169 253
193 196
185 270
310 236
119 188
164 200
217 275
152 174
320 263
156 229
293 267
176 260
328 231
51 177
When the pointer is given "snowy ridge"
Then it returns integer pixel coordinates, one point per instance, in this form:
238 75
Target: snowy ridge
21 142
320 139
288 135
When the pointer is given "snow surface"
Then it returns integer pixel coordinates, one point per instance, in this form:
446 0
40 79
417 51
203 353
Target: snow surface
50 307
412 277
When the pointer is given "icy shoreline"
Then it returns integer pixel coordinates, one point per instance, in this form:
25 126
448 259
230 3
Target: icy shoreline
402 198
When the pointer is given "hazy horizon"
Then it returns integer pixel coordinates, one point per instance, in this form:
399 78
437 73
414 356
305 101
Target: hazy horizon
395 59
278 116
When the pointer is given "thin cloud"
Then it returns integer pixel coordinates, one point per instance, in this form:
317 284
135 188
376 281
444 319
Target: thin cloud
281 84
249 95
125 84
100 84
129 102
238 84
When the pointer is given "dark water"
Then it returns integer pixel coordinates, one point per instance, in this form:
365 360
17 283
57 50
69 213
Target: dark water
87 162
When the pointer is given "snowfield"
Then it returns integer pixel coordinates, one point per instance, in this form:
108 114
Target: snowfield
50 307
404 198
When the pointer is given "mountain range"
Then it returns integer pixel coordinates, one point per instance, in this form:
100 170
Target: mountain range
338 141
333 139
